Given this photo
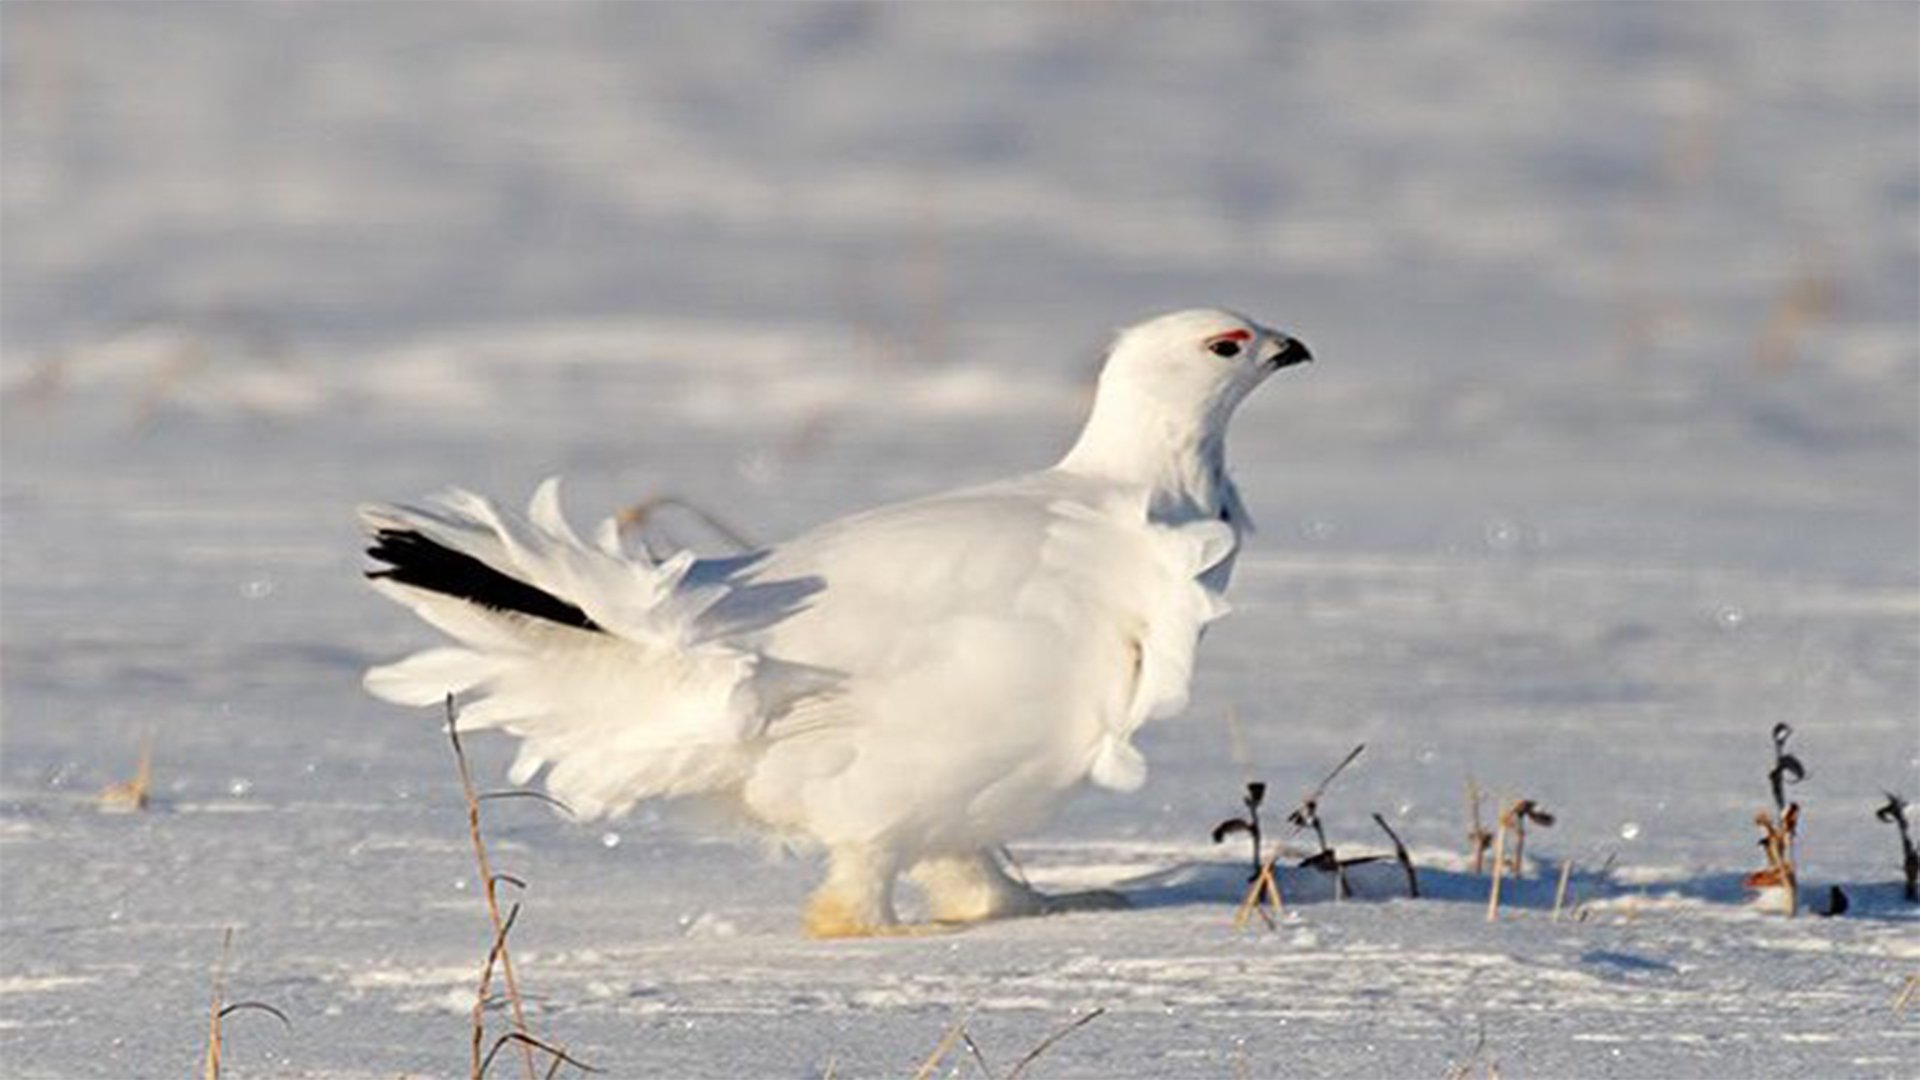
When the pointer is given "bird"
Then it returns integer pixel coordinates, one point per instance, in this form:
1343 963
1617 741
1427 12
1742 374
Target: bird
904 689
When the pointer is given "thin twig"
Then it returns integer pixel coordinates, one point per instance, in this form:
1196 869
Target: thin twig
1894 812
1250 824
1519 855
1046 1044
1560 893
1516 818
978 1058
1400 854
131 796
1307 816
220 1010
484 993
1787 769
257 1006
489 890
530 1044
539 796
1604 883
1777 840
943 1048
1499 866
636 518
1264 890
1337 770
1478 838
1474 1057
1908 991
216 1012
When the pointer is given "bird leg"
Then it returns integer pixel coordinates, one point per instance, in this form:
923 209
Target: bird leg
856 900
975 887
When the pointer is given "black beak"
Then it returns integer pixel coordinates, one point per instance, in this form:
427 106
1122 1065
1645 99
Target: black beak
1294 352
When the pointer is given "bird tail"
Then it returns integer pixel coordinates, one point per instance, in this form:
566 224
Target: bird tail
616 671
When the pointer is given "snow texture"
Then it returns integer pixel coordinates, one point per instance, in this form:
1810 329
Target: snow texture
1610 462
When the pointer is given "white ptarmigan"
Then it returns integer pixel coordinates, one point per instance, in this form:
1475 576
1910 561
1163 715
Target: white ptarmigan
906 687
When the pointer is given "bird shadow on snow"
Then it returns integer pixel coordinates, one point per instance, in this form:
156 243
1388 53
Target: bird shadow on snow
1214 883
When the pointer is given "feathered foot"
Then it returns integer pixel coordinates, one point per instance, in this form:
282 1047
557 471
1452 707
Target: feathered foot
975 887
856 900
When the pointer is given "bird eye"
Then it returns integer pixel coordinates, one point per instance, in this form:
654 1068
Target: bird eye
1224 347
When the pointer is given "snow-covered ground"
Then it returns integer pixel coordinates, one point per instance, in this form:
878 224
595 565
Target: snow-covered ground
1612 462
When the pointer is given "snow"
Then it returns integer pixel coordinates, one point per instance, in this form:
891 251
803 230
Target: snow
1611 462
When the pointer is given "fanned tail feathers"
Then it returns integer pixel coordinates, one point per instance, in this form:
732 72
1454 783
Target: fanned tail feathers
604 662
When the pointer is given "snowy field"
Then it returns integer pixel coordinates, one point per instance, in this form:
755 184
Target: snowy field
1610 464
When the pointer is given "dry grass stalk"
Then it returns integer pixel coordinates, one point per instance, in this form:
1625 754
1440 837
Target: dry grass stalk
1560 891
1262 894
219 1010
1516 817
1499 867
635 519
1307 816
558 1054
132 796
1908 991
979 1059
484 993
210 1064
1894 812
1263 887
1513 819
1250 824
1020 1067
943 1048
1776 839
1780 829
1583 910
957 1035
1478 838
1264 884
498 955
1400 855
1476 1056
489 888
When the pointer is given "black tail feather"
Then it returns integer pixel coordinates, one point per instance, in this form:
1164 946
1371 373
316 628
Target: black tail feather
413 559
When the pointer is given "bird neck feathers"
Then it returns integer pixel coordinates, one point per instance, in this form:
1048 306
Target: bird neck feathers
1178 454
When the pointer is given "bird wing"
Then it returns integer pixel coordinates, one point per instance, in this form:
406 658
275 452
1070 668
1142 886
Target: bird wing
1078 558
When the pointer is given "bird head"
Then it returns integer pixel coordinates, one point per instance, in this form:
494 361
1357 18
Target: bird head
1169 387
1199 363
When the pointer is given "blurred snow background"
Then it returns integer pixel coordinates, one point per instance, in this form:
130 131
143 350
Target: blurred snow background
1612 461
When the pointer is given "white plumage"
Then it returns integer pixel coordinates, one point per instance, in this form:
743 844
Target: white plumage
907 687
